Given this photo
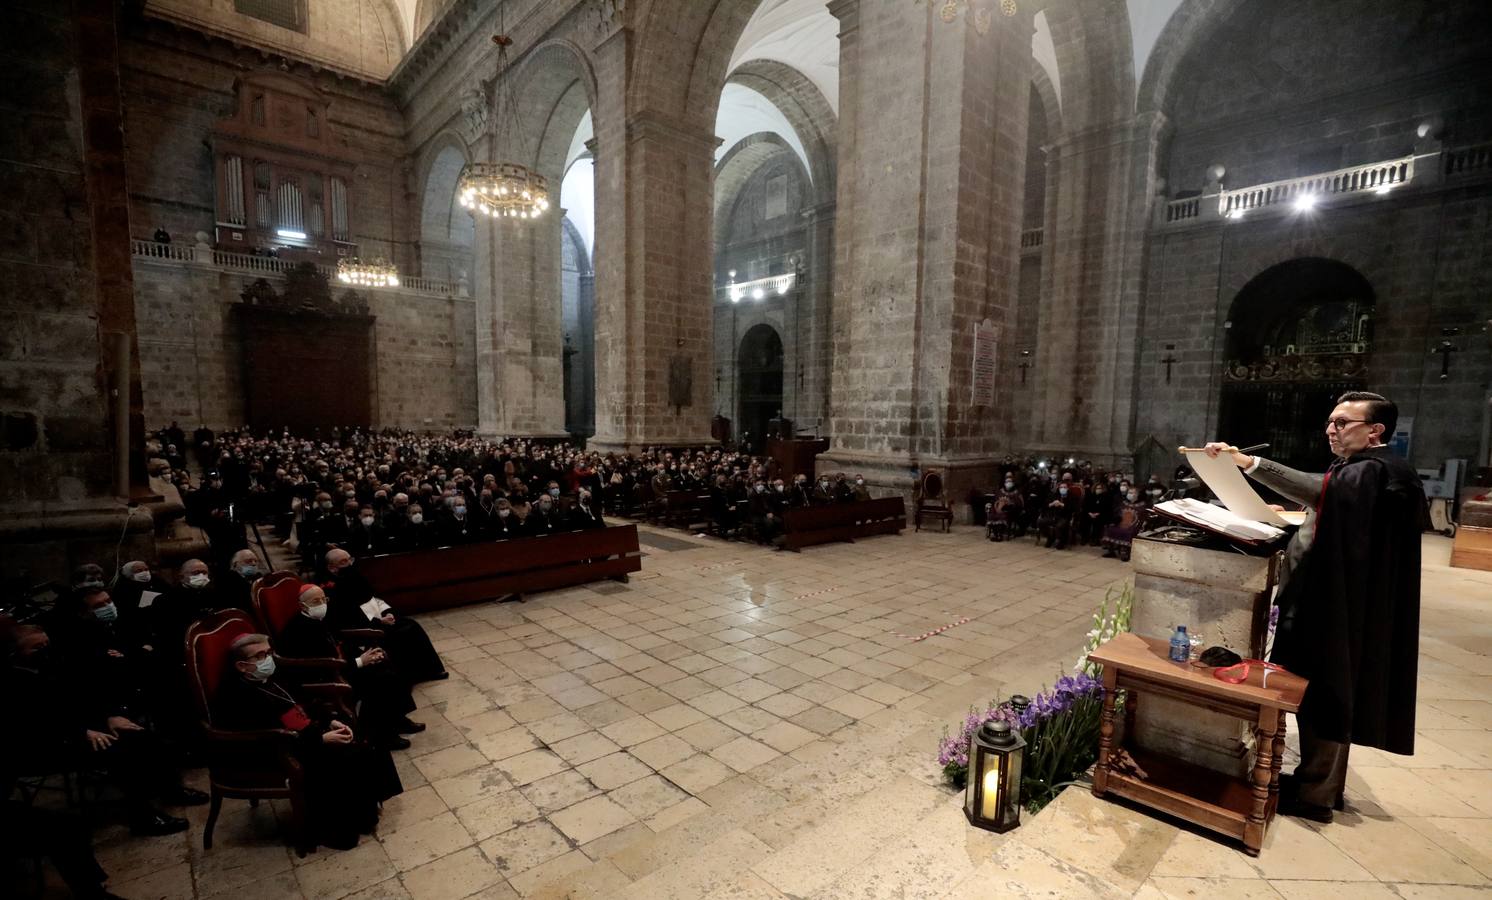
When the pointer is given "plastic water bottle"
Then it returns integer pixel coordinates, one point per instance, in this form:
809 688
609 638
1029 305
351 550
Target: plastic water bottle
1181 645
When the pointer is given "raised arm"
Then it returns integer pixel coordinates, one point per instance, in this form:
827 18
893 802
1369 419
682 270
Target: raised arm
1302 487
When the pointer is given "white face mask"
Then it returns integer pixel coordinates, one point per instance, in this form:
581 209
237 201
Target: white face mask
367 521
143 577
416 519
197 580
316 612
263 669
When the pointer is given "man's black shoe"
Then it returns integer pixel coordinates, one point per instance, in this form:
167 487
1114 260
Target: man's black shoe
410 726
394 742
156 824
184 796
1293 807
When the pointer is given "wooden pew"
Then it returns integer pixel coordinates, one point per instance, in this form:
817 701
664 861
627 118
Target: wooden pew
684 508
843 521
425 580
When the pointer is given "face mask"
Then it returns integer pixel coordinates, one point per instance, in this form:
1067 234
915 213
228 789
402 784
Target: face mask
326 504
107 613
91 583
416 519
248 571
503 513
779 488
142 577
860 482
198 580
1132 496
263 669
317 612
367 521
460 511
1062 491
554 492
545 505
761 488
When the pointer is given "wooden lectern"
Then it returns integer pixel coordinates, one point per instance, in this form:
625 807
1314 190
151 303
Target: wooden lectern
796 455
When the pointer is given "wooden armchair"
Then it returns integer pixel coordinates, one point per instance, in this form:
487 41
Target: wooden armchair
931 502
276 600
243 765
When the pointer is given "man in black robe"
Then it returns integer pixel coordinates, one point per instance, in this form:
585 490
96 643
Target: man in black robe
345 778
404 639
1349 601
384 693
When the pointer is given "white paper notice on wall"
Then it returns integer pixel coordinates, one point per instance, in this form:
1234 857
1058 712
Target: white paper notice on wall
986 340
1227 481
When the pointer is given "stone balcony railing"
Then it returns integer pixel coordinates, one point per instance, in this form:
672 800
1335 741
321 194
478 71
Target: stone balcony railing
1031 240
203 255
1363 182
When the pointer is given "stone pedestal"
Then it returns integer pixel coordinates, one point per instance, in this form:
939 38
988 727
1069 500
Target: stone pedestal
1223 596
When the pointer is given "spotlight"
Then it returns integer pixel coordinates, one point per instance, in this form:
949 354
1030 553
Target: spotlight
1235 214
1305 202
1384 189
758 294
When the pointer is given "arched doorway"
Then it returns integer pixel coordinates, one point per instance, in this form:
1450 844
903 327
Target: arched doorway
759 380
1298 335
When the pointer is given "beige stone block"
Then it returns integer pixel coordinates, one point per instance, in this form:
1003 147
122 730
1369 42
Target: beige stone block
559 791
744 754
558 727
1392 851
520 849
496 814
492 721
460 874
698 773
425 841
450 761
583 748
677 716
720 863
716 703
469 787
1180 888
335 875
500 746
591 819
649 796
632 731
615 770
662 752
531 766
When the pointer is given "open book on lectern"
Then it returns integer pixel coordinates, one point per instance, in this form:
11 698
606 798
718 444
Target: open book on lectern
1243 515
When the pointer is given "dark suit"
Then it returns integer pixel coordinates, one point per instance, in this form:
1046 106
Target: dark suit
406 642
383 691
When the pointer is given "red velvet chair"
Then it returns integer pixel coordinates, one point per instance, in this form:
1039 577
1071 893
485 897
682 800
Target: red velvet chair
276 600
242 765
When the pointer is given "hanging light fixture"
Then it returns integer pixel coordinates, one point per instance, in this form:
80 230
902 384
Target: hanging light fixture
374 273
506 190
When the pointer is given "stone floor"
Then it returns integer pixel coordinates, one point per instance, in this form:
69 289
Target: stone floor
737 723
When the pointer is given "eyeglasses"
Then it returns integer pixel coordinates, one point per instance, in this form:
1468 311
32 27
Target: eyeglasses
1341 422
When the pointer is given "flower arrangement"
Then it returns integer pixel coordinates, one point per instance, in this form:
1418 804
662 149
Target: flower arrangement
1106 624
1060 725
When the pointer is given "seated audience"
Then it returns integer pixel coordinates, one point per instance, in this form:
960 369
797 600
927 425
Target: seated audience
345 778
353 605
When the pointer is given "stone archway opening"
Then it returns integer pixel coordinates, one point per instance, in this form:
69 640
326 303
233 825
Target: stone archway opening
759 366
1298 335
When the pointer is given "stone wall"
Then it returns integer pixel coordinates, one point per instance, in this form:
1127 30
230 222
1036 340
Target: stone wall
192 362
177 85
1422 252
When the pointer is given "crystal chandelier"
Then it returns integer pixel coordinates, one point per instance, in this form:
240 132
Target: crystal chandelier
504 189
374 273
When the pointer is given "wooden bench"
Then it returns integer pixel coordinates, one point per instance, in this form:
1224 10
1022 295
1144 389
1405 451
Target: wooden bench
425 580
805 526
682 509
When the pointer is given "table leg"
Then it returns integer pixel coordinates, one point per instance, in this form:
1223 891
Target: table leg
1265 727
1105 731
1279 757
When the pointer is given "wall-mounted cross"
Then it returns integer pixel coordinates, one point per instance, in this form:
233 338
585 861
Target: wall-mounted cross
1170 360
1025 364
1445 350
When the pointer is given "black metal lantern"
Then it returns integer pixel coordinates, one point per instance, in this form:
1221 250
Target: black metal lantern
992 795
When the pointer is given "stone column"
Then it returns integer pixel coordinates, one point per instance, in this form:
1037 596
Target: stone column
816 317
520 388
928 234
654 205
1099 187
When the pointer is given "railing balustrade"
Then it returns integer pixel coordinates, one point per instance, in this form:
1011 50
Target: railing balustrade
1377 177
1476 158
1031 238
271 265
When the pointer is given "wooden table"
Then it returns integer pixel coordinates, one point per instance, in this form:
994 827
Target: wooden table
1238 807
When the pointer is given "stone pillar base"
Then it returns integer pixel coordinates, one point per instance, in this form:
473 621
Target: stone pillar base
1223 596
43 545
900 474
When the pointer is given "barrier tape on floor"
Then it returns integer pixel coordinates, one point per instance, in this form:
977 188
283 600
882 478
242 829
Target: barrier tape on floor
925 636
815 593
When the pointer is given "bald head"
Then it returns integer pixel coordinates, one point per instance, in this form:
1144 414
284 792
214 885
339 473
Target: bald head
337 560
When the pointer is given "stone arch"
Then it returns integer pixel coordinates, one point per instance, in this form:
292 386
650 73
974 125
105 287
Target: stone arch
806 110
1189 27
740 163
1094 61
701 34
447 234
555 88
1051 106
1298 334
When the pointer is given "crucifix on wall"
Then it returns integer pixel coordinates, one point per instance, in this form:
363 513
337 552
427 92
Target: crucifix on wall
1445 349
1170 361
1025 364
